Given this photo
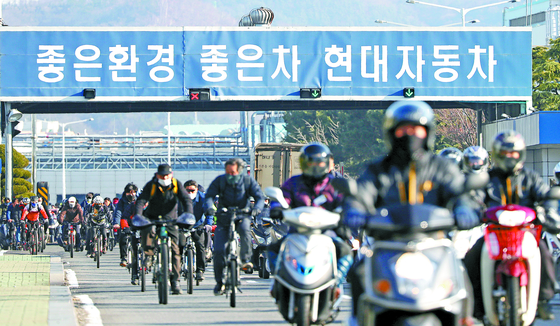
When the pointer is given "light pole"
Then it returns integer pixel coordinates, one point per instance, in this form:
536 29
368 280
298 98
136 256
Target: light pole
64 154
462 11
379 21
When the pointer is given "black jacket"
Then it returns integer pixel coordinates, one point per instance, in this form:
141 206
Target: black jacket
164 202
235 195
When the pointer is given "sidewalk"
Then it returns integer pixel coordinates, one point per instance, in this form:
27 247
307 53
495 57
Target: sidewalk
32 291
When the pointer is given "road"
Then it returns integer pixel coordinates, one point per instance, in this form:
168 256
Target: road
121 303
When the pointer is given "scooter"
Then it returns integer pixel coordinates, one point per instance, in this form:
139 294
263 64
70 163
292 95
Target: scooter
305 275
412 275
261 234
553 244
510 265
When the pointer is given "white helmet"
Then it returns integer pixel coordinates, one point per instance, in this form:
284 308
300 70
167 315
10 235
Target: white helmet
98 200
72 202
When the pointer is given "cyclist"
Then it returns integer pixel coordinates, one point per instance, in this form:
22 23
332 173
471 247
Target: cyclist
71 213
203 226
97 214
124 211
31 212
234 190
162 195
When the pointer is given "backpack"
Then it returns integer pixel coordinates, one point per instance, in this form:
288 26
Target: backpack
154 187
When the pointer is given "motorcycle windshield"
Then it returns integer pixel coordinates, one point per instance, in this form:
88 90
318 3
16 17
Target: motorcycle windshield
311 218
411 219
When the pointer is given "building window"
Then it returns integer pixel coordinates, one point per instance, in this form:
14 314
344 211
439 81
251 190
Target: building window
534 18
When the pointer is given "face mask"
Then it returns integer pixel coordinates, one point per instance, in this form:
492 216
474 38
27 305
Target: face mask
164 183
71 204
409 148
130 197
89 200
192 195
233 179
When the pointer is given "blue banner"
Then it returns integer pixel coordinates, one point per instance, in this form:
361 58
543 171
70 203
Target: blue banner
265 63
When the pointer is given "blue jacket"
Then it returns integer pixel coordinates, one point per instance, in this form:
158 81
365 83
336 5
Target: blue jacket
199 206
125 209
235 195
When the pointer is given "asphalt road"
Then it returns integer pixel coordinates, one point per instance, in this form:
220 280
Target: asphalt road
121 303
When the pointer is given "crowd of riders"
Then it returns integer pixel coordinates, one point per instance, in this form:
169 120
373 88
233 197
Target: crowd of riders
410 173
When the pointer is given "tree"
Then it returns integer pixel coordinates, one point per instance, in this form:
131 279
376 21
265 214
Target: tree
21 187
546 76
455 128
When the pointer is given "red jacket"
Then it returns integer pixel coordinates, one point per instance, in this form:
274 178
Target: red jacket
33 215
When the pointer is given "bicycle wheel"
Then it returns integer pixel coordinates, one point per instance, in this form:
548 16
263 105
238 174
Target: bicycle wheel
32 243
190 270
164 273
142 267
129 256
71 244
40 239
232 281
97 250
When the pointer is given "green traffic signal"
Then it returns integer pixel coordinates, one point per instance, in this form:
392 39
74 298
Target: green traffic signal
408 92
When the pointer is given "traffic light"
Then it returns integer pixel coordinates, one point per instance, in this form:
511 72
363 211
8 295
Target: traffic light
408 92
309 93
17 127
199 94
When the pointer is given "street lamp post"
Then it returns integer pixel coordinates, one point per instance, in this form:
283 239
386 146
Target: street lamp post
64 154
462 11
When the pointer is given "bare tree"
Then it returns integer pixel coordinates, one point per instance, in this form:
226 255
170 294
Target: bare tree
457 127
317 132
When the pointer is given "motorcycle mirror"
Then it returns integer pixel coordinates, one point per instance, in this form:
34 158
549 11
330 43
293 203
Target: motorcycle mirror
554 193
276 194
347 187
475 181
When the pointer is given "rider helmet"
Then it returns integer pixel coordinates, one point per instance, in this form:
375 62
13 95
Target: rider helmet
129 187
25 200
475 159
33 204
98 200
452 154
408 112
314 160
509 152
557 172
72 202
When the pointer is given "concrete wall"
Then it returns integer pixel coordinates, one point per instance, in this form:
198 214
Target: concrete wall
109 183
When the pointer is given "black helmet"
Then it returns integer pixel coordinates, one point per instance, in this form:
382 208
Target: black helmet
453 154
34 199
509 151
312 158
129 187
412 112
475 159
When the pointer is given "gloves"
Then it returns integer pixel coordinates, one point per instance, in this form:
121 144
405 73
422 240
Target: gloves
276 214
210 212
466 218
255 212
354 218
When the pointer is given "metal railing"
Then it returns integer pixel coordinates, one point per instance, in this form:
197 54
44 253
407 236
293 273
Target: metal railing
134 152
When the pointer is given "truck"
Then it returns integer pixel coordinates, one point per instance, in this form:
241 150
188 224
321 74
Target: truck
276 163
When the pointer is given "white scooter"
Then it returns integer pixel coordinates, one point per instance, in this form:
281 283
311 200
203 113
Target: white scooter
305 274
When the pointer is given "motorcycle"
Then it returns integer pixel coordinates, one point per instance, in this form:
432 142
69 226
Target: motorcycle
553 244
305 275
412 273
261 234
511 265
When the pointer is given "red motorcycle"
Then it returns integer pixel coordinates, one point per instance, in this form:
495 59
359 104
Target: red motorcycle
511 265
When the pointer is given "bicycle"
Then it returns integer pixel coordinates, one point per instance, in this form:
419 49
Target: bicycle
141 270
33 243
232 264
189 263
99 239
71 232
162 266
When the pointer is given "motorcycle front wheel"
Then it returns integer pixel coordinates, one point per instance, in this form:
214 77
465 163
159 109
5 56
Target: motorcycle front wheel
303 317
513 299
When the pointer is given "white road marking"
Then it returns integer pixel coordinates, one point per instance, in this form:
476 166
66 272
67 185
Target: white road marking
71 279
91 315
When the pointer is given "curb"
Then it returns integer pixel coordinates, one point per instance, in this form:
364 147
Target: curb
61 307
